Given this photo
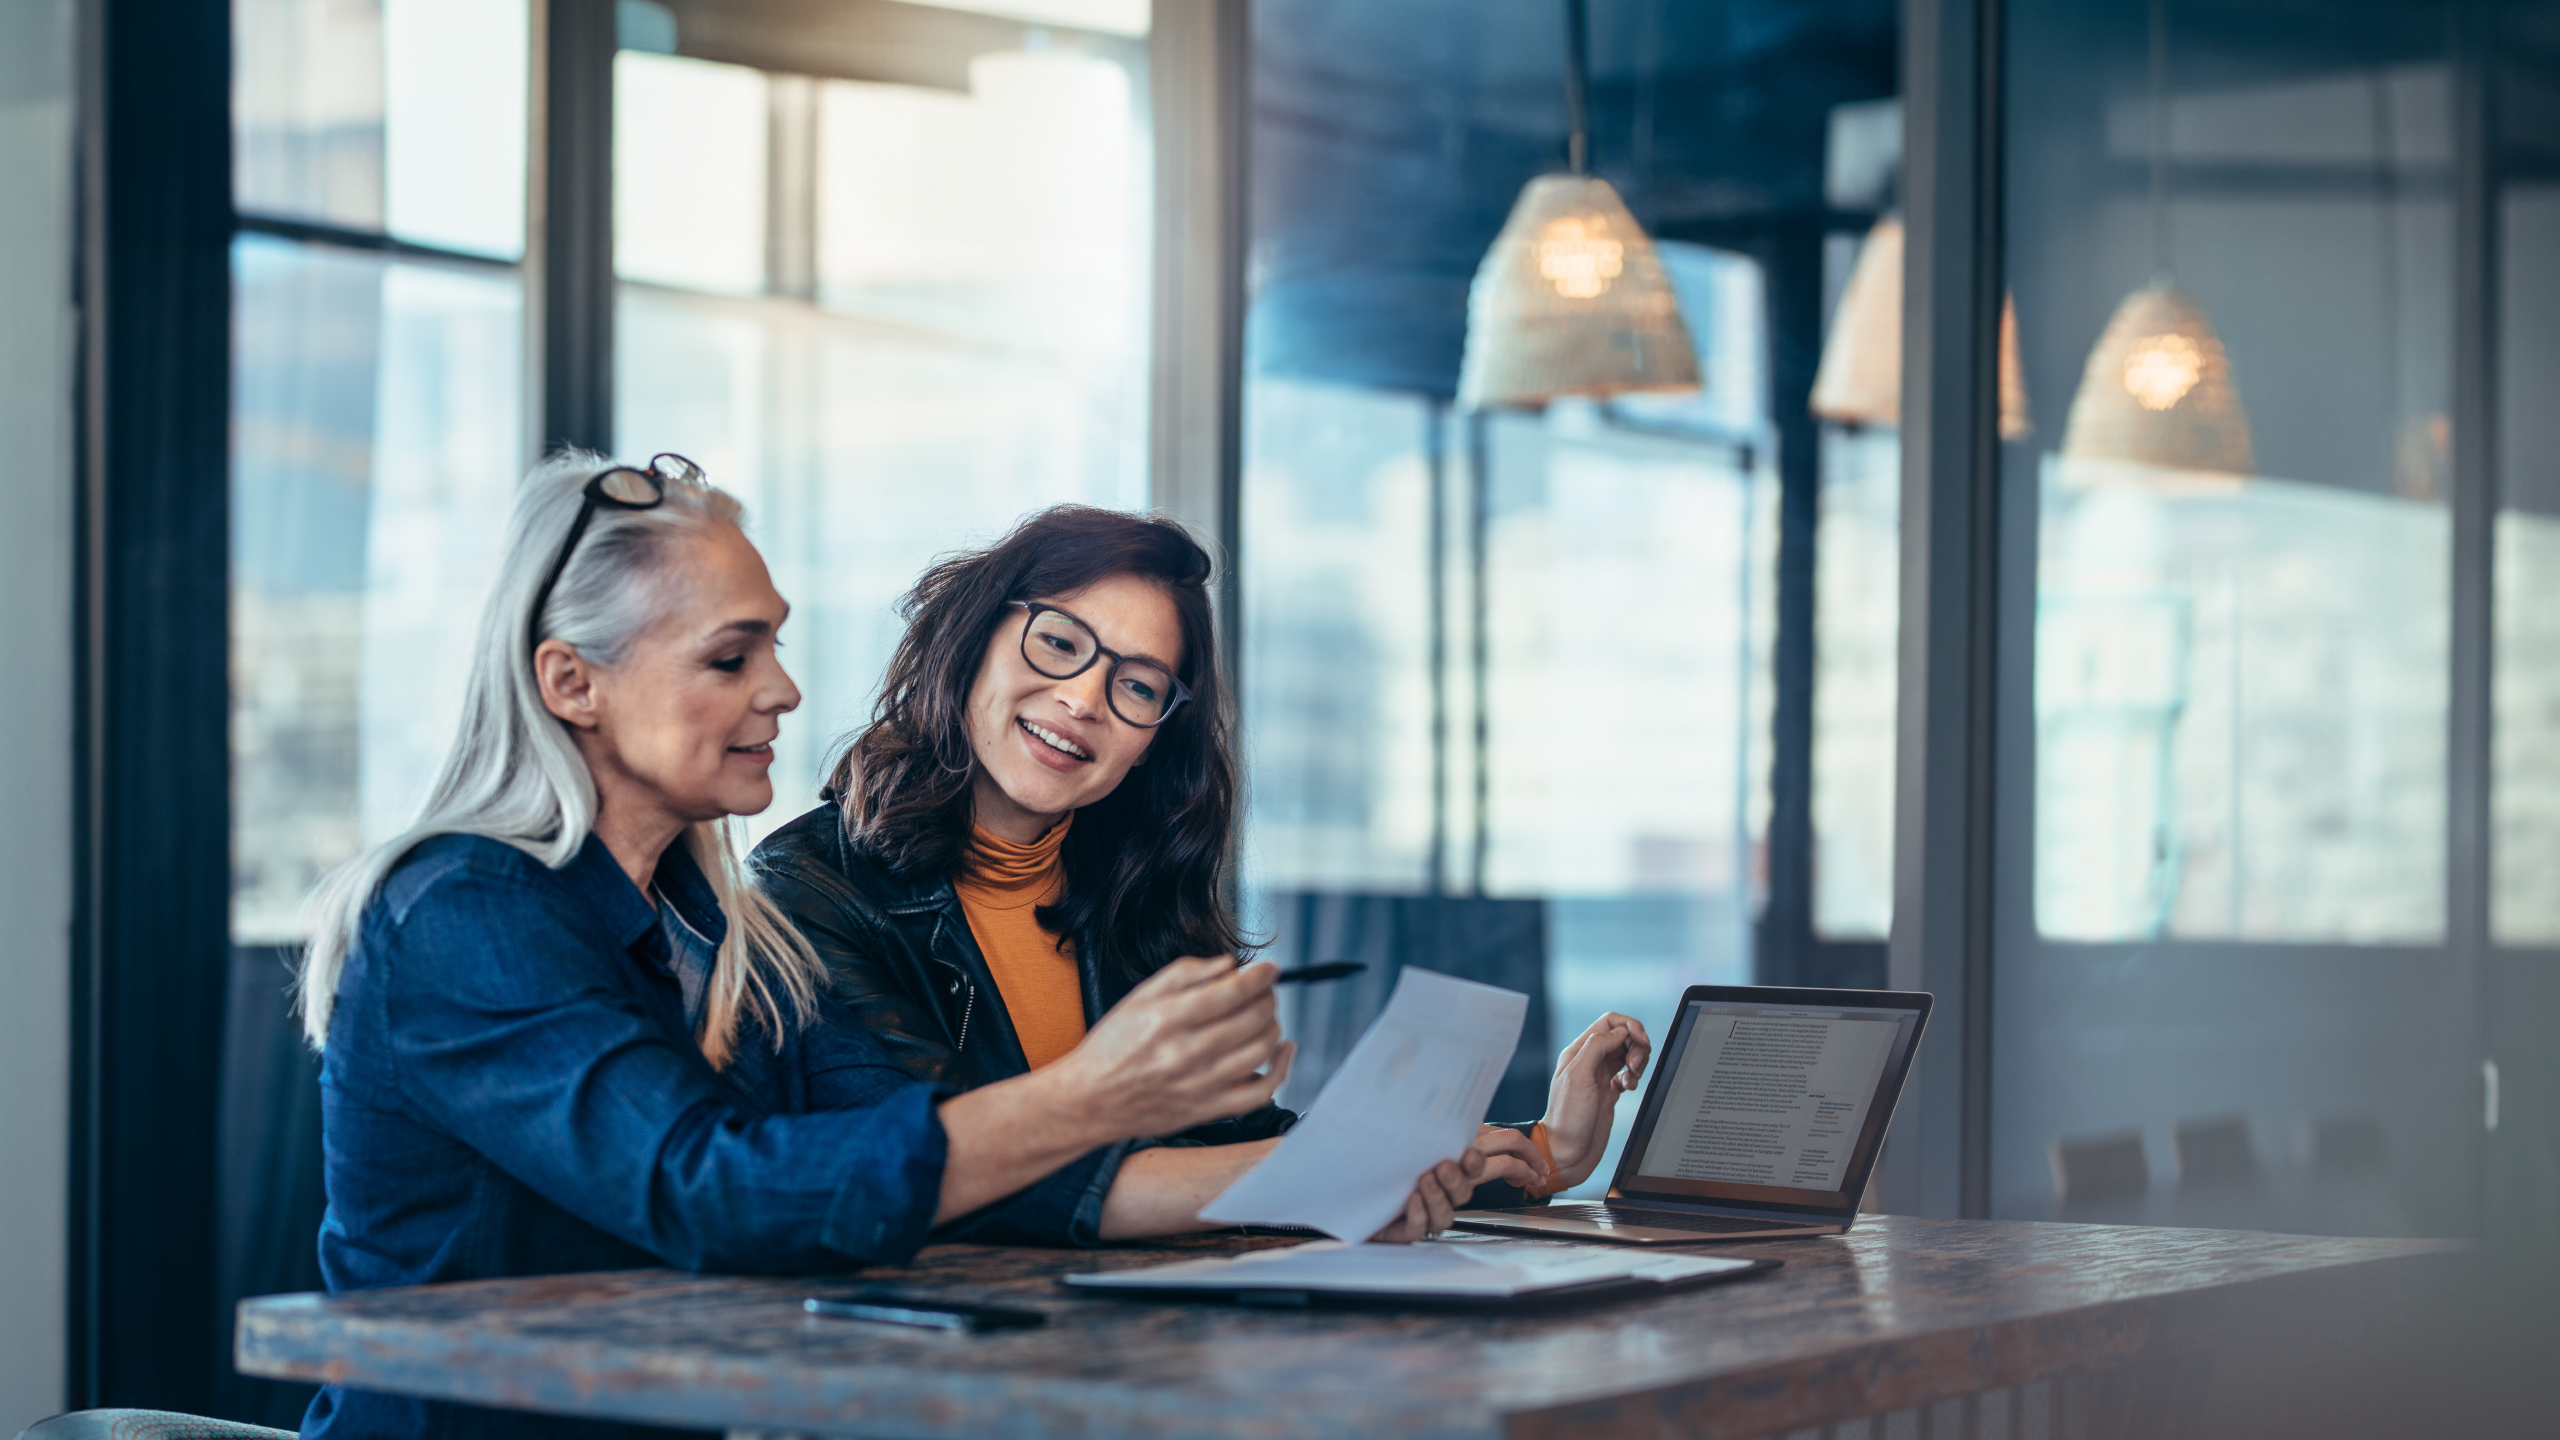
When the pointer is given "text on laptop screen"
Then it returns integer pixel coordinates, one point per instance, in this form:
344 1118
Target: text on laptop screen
1768 1095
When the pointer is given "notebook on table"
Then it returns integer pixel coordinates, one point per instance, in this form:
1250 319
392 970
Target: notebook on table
1455 1272
1762 1119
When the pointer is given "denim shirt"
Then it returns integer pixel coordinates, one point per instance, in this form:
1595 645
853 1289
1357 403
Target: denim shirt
512 1087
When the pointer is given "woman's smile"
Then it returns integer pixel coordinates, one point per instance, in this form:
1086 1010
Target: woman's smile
1055 749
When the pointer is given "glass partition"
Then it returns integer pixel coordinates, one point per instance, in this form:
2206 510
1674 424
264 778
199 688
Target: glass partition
2224 991
1517 682
2524 903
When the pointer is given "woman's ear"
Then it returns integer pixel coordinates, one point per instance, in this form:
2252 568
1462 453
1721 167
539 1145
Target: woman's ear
568 685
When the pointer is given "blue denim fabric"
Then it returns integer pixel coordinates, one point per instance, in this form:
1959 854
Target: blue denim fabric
511 1087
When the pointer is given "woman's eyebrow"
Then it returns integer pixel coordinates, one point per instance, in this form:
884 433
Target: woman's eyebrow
741 627
1165 665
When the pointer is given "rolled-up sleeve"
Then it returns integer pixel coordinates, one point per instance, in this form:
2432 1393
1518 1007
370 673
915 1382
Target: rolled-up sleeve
532 1054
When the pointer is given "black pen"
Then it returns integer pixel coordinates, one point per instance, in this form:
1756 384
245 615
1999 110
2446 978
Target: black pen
1310 974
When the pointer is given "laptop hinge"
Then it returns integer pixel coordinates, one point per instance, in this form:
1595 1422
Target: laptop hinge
1730 1212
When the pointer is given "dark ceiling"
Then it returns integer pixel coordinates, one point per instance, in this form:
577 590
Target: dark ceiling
1391 136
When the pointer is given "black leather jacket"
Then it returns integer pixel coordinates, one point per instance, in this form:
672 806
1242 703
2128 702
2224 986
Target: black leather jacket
906 966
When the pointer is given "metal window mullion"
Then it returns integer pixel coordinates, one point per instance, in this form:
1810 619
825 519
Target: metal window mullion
1197 81
1938 1161
2470 718
569 239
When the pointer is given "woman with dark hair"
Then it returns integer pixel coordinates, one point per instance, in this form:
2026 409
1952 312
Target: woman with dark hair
1038 818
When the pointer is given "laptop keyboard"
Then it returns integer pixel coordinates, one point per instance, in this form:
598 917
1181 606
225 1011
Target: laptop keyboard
1656 1219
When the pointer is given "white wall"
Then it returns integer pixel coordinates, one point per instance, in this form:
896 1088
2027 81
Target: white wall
36 494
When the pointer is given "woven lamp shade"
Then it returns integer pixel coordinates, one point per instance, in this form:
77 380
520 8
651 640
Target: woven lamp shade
2158 392
1571 300
1860 380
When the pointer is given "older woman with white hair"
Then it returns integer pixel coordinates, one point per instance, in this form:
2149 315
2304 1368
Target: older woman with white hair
560 1032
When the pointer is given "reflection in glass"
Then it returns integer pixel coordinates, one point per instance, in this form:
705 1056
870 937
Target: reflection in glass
402 116
2223 995
1857 631
1338 517
2241 688
892 320
1593 753
376 435
2524 904
2240 705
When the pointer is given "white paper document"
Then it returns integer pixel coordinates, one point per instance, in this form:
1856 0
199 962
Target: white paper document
1483 1269
1409 1095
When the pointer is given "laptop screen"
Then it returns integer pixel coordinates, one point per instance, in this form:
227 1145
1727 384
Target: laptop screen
1766 1102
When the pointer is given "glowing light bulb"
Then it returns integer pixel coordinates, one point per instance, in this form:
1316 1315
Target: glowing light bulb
1577 257
2162 369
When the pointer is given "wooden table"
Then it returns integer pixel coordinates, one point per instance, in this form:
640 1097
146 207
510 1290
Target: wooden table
1989 1328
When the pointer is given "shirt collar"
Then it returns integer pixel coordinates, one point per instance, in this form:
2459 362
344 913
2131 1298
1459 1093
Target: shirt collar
598 878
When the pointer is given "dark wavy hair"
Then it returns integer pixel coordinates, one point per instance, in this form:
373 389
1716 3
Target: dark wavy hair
1146 864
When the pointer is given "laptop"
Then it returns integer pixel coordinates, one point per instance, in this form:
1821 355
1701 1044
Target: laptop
1762 1119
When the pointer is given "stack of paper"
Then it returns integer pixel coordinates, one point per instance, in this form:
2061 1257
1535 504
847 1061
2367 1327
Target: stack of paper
1408 1096
1461 1269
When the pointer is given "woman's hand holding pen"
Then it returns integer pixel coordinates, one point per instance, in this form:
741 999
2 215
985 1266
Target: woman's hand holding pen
1603 1063
1199 1040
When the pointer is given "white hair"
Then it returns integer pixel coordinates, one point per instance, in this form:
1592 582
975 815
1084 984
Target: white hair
514 774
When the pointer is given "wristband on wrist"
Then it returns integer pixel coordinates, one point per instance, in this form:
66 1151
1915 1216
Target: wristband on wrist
1551 1182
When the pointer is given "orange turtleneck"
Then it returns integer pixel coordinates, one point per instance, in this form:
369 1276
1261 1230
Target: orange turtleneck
1001 886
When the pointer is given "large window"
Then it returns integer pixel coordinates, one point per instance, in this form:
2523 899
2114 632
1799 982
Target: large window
378 411
893 318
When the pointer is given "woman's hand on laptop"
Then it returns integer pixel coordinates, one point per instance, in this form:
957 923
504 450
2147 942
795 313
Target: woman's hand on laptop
1603 1063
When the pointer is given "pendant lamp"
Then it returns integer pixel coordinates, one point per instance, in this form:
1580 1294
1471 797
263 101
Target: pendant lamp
1572 299
1860 379
2157 391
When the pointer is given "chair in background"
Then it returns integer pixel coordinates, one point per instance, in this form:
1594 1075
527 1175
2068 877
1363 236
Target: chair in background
2220 1184
2215 1151
2100 1177
145 1425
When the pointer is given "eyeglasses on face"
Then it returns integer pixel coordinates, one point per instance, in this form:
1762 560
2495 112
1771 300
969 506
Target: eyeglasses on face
1056 644
624 488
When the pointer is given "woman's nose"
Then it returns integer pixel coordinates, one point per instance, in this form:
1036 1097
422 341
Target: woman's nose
1083 694
782 695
